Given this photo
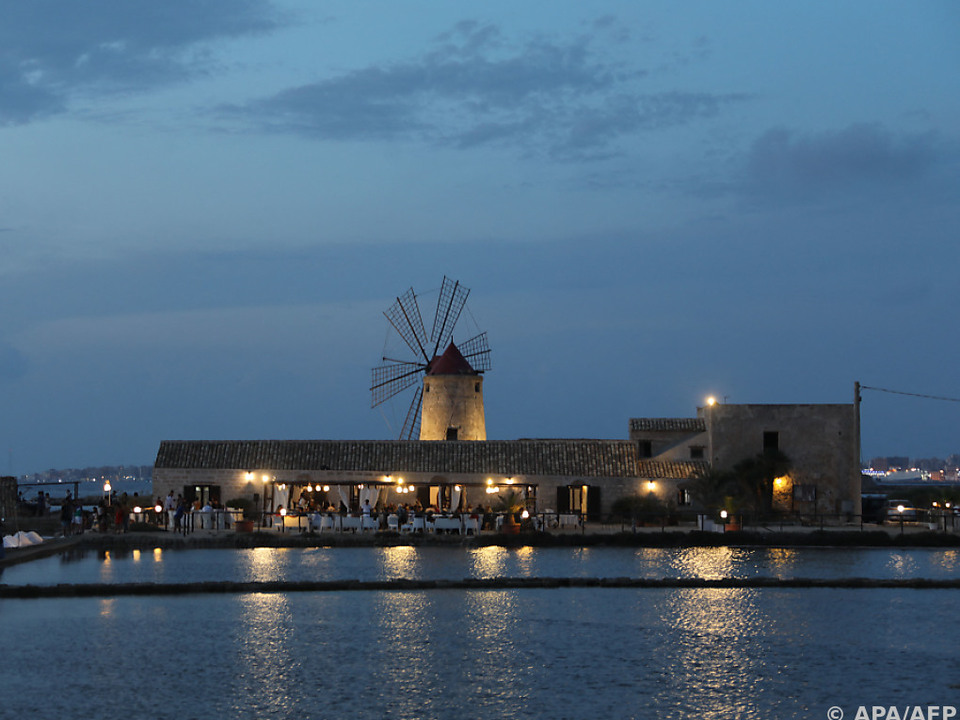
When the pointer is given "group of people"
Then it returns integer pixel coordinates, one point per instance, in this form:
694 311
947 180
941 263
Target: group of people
180 507
405 512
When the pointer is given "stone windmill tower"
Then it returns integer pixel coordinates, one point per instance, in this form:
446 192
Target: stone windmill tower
448 401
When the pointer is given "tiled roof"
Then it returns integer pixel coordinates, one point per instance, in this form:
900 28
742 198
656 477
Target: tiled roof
691 425
670 470
583 458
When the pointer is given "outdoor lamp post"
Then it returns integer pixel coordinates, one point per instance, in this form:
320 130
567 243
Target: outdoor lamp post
711 402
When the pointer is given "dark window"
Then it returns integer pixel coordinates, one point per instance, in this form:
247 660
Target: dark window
451 433
476 387
426 387
696 452
771 441
646 449
805 493
683 497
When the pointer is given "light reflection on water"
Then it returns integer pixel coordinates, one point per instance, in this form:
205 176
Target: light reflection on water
400 562
562 653
457 563
262 653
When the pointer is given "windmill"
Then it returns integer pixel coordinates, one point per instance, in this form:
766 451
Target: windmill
434 354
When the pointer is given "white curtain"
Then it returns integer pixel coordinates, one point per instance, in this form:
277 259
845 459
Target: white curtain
344 492
373 494
455 498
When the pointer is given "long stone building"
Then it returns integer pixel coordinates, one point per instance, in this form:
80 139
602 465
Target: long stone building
583 476
659 459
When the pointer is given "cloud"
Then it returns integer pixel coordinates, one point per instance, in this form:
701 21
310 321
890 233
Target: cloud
475 87
860 158
51 50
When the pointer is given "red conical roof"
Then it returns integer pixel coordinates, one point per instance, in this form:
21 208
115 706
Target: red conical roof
450 363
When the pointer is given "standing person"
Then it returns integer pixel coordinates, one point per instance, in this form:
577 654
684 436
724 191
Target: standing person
78 517
179 513
169 506
366 509
66 514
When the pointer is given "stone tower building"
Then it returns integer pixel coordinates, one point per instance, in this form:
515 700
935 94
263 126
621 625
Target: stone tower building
452 400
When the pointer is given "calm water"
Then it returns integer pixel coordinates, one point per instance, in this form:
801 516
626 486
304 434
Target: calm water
457 563
537 653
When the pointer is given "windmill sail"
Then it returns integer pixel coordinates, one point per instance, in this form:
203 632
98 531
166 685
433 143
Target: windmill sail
405 317
476 351
411 424
389 380
395 376
453 296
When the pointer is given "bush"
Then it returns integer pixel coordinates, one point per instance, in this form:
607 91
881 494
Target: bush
246 505
640 506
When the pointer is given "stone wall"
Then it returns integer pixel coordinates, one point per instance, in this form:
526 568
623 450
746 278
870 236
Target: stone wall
819 440
453 401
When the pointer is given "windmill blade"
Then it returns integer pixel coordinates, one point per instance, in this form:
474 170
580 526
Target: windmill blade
406 319
453 296
476 351
411 424
388 380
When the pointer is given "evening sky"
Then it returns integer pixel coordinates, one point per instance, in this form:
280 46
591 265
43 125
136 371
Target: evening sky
205 207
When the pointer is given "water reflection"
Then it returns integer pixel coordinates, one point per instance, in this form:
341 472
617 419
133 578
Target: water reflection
948 560
456 563
265 564
490 561
901 564
716 654
262 651
106 568
399 562
782 561
709 563
106 606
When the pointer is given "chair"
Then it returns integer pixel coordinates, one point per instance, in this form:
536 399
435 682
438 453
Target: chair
393 522
327 522
349 522
471 524
369 523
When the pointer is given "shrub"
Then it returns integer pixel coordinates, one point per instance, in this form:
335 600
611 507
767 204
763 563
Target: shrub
246 505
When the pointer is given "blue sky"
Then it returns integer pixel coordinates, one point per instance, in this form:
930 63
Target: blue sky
205 207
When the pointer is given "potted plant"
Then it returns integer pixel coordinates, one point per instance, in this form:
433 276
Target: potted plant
510 504
249 510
